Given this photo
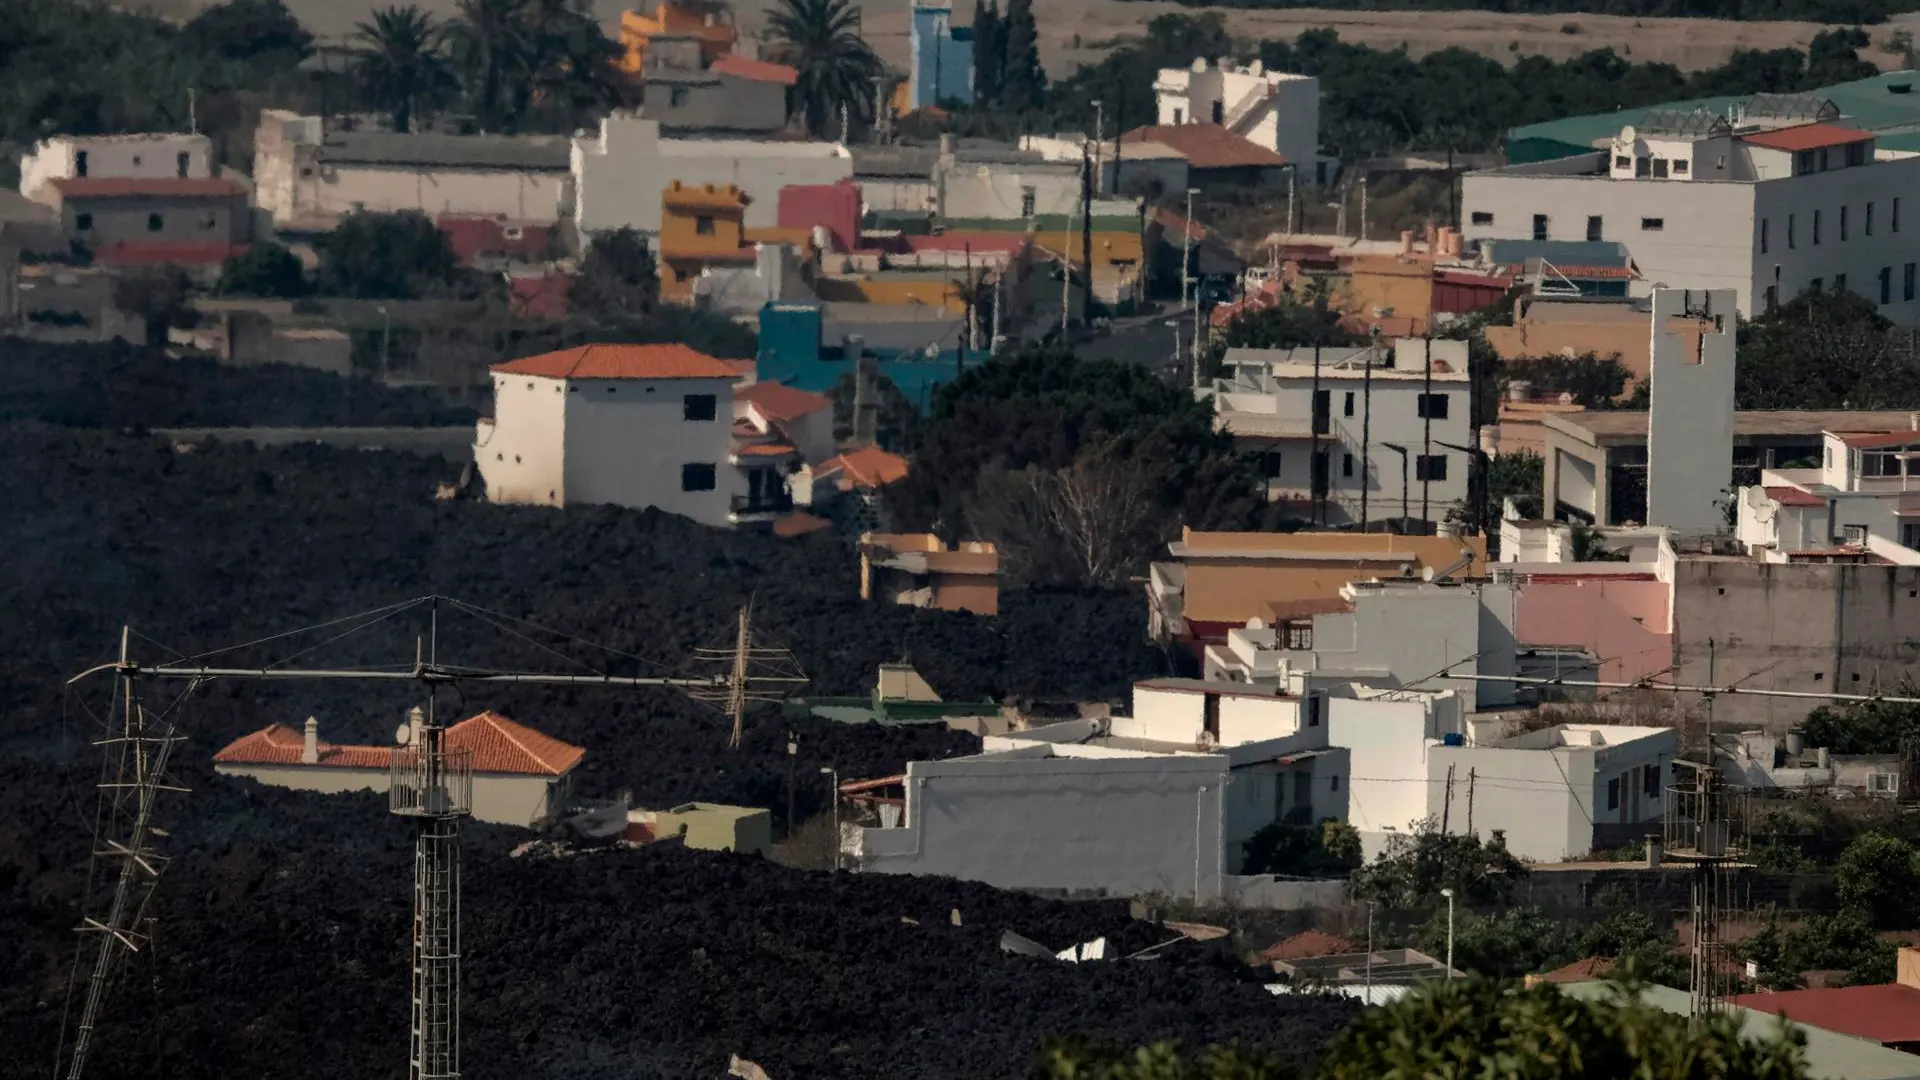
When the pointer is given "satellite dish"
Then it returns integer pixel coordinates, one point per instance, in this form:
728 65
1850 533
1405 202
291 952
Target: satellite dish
403 736
1627 134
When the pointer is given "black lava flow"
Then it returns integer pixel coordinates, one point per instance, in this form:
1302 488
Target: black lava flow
280 935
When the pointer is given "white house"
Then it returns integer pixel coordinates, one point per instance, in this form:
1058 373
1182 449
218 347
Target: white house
630 425
1384 634
1703 203
1159 802
520 776
619 173
1865 494
1388 737
1552 792
157 156
1273 109
1395 431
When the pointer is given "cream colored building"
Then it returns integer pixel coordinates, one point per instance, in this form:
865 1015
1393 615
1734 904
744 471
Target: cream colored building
520 776
155 156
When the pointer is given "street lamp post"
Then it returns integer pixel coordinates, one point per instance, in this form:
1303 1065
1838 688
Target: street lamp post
1404 506
833 778
1186 254
1479 458
1448 893
386 339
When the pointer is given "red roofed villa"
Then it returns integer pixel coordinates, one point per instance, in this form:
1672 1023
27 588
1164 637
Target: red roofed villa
520 776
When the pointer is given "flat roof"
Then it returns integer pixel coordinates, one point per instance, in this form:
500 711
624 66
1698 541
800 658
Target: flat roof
1750 423
1210 686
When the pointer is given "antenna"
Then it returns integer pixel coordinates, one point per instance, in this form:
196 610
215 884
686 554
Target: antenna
1706 825
428 782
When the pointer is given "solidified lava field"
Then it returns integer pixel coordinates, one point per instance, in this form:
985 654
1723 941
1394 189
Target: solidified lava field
280 940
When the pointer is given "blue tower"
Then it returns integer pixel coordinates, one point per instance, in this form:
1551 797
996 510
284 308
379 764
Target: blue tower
942 58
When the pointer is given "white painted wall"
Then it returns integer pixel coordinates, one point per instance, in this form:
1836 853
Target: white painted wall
1274 109
1179 716
1690 413
152 157
1387 742
330 191
1023 820
500 798
522 451
1547 800
997 191
618 174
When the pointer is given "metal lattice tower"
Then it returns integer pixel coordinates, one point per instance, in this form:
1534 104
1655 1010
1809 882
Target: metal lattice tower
1706 826
134 775
433 785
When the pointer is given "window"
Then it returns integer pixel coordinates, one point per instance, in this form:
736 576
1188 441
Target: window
1894 224
1613 794
1909 537
1839 283
1906 282
1816 227
1027 193
1826 158
1659 168
83 222
1270 464
136 161
79 163
1594 223
1886 284
1680 167
1430 467
181 161
1219 112
1650 780
209 220
677 96
1178 118
679 273
1773 297
1856 154
1333 782
155 223
703 225
1348 405
1815 286
699 407
1539 226
697 477
1866 224
1432 406
1481 217
1313 709
1763 236
1642 167
1299 637
1789 232
1346 464
1843 224
1622 161
1652 224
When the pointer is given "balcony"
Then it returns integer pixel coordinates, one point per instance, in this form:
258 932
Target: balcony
742 508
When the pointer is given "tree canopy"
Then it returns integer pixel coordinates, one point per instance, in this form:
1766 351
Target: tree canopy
264 269
1417 864
820 39
402 62
378 256
1825 350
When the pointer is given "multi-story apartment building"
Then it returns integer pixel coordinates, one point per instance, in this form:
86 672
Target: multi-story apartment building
1273 109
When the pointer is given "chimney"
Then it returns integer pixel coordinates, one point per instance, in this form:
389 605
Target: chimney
946 144
1406 243
310 746
1913 421
415 721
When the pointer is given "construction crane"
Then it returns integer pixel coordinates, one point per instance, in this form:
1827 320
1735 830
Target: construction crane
428 782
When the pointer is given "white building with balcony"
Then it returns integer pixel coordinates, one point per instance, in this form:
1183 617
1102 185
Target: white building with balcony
156 156
1702 201
1357 434
648 425
1274 109
1864 497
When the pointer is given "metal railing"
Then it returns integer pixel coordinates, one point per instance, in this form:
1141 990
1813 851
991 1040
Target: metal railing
426 783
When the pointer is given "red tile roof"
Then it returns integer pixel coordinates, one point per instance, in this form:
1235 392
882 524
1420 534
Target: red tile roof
1793 496
498 745
1806 137
1175 222
1886 1013
778 401
1308 944
621 362
799 523
155 253
757 70
1591 969
1301 609
1206 146
868 467
171 187
1583 273
1889 438
773 449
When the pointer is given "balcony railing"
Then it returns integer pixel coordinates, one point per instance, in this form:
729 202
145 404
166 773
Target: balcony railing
750 505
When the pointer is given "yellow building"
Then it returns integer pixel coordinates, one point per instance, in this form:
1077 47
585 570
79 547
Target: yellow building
700 227
709 23
1379 284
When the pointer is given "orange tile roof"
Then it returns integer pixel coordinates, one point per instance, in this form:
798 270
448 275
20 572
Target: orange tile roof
175 187
1793 496
799 523
1806 137
498 745
1883 1013
621 362
1587 970
278 744
1206 146
778 401
867 467
758 70
1308 944
501 746
772 449
704 197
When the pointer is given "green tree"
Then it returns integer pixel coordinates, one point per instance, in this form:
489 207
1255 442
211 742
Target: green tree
1286 325
1520 476
988 58
1870 727
1330 849
402 65
1418 863
1843 941
1078 1059
1878 878
1824 351
1592 380
489 46
1023 86
618 278
264 269
252 32
820 39
398 256
1478 1027
157 296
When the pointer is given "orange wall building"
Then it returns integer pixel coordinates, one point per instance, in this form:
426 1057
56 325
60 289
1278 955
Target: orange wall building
699 227
713 28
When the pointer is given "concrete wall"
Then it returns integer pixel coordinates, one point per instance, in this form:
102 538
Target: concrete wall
1690 412
1792 626
326 781
498 798
1387 744
997 192
1860 257
1179 716
527 195
1122 826
99 222
717 102
150 157
626 440
1548 802
618 174
522 451
1237 589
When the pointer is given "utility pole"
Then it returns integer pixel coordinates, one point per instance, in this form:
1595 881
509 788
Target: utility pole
1471 775
1319 470
1404 509
793 762
1366 424
1099 136
1363 206
1086 234
1119 129
1293 172
1426 435
1446 808
1186 256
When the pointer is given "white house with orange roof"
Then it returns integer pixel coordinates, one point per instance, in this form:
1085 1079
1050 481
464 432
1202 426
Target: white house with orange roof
1863 496
856 476
520 776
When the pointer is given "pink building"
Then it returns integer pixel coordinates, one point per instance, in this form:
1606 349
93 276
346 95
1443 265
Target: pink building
1623 618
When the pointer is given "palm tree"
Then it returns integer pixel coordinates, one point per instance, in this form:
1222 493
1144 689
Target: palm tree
975 290
821 40
489 45
401 62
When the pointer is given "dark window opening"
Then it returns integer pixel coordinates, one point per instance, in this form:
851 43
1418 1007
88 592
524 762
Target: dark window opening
1432 406
83 222
1347 406
703 225
700 407
1652 224
155 223
697 477
1539 226
79 163
181 161
1481 217
1430 467
1594 226
1613 794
